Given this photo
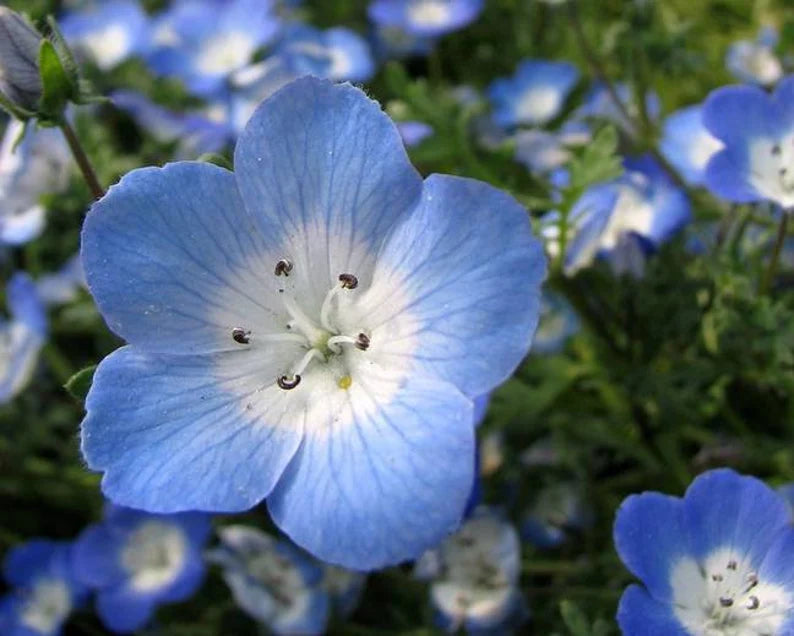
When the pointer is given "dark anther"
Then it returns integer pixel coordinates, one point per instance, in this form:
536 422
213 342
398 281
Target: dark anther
754 603
726 602
783 172
732 565
752 581
283 267
287 383
348 281
716 577
241 336
776 149
362 342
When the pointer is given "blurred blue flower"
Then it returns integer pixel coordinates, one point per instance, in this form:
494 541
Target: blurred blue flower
390 42
475 575
272 581
337 54
624 219
44 590
755 61
718 561
425 18
135 561
414 133
543 152
557 514
203 41
21 337
599 104
40 164
534 95
344 588
757 163
63 285
687 144
558 322
311 328
108 33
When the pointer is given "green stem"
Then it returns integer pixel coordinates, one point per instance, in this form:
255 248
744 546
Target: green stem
766 282
82 160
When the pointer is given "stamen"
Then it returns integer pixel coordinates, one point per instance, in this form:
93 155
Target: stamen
362 342
241 336
335 341
288 383
732 565
310 355
301 320
776 149
726 602
753 603
283 267
348 281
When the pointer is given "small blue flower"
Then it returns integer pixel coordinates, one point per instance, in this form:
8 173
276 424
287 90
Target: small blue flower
311 328
62 286
544 152
40 164
558 322
344 588
755 62
390 42
600 104
425 18
44 589
21 337
414 133
559 512
204 41
757 163
475 575
534 95
623 219
719 561
135 561
272 581
687 144
108 33
337 54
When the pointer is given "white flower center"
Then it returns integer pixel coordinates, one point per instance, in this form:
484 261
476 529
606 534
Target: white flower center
278 575
225 52
761 63
772 169
108 46
154 555
429 13
702 148
538 104
633 212
48 606
724 596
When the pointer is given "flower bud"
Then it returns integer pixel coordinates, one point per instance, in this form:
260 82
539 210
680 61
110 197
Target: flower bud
20 83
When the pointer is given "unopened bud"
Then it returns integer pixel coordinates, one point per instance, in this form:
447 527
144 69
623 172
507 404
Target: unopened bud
20 82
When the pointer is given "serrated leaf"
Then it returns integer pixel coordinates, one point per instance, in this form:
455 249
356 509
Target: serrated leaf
598 161
79 384
57 87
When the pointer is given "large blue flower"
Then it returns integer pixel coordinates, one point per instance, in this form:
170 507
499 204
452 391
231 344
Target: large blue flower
757 129
44 589
425 18
135 561
719 561
311 328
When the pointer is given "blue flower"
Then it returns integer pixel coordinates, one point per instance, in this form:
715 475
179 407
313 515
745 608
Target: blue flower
600 104
44 589
687 144
475 576
108 33
623 219
558 322
63 285
543 152
425 18
21 337
40 164
719 561
755 62
136 561
344 588
311 328
558 512
534 95
758 132
337 54
390 42
414 133
272 581
204 41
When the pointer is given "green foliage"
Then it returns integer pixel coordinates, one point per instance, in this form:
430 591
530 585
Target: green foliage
80 383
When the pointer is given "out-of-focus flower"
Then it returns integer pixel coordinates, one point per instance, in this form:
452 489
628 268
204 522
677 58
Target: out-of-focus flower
390 42
21 337
558 322
475 576
272 581
135 561
558 512
44 589
600 104
687 144
542 151
414 133
718 561
324 303
757 162
425 18
62 286
625 218
108 33
344 588
755 61
204 41
337 54
20 83
534 95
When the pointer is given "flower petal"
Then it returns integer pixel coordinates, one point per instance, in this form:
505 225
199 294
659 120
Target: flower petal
641 615
123 611
380 483
177 433
735 114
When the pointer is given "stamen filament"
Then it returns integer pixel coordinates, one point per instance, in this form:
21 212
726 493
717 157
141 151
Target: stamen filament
310 355
325 310
302 321
335 341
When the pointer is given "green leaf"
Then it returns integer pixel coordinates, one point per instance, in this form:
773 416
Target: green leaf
58 89
574 619
598 161
79 384
216 159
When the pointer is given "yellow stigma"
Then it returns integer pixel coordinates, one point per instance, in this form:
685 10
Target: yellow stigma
344 382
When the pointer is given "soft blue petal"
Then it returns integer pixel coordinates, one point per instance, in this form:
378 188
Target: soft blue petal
123 611
168 256
727 175
397 13
726 510
189 580
319 161
783 97
386 486
650 537
470 270
25 222
24 304
176 433
312 620
778 564
96 557
735 114
640 615
27 562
